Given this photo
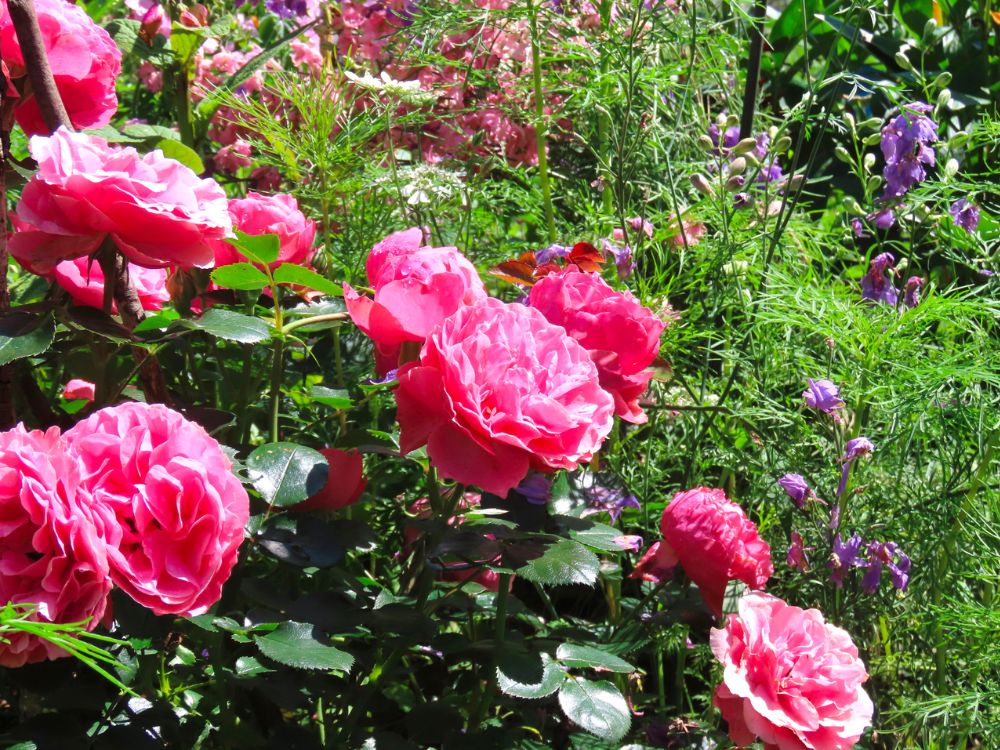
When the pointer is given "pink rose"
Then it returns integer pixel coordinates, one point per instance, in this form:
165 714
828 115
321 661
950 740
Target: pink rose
416 287
345 484
78 389
715 542
86 285
51 553
270 214
622 336
84 59
156 210
498 390
790 678
173 509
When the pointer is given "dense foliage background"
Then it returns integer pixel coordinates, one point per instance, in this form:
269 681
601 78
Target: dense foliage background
554 123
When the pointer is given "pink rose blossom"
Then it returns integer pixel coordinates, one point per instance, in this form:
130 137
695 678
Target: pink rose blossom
78 389
140 10
622 336
155 209
51 553
416 287
499 390
150 76
270 214
715 542
173 509
656 565
230 159
84 280
84 59
791 679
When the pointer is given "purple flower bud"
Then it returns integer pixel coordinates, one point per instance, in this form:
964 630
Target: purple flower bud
857 227
550 253
796 487
535 488
859 446
911 292
606 500
796 557
883 219
965 214
622 258
740 200
876 284
822 395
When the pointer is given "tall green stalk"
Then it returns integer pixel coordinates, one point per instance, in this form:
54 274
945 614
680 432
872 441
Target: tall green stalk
541 128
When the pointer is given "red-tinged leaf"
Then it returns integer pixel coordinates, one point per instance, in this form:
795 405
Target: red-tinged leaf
520 271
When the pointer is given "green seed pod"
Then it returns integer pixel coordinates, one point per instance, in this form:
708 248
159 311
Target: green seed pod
869 162
747 144
782 145
737 166
841 153
902 61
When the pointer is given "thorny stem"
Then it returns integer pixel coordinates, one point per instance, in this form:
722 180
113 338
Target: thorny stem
36 63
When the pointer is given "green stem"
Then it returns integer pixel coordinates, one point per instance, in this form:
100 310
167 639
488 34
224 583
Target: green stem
500 624
277 363
603 118
540 125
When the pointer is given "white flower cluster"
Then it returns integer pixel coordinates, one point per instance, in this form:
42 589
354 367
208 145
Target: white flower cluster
408 92
421 184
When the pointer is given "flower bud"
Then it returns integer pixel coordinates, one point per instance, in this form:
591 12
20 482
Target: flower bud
951 167
737 166
741 199
941 81
869 162
751 160
735 183
849 119
732 121
902 61
747 144
782 145
958 139
873 140
702 184
943 97
874 183
795 182
853 206
870 123
841 153
706 143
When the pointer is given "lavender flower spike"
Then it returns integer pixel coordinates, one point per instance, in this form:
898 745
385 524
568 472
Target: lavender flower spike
965 214
822 395
905 146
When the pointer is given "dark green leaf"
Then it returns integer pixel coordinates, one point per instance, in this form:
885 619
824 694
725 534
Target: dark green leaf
290 273
157 321
125 32
302 540
333 397
564 562
260 248
240 276
248 666
24 335
588 657
184 154
98 322
597 707
232 326
286 473
511 681
300 645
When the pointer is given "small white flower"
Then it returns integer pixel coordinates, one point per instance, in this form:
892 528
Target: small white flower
409 92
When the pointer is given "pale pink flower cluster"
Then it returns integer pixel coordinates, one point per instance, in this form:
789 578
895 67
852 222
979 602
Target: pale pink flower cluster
135 496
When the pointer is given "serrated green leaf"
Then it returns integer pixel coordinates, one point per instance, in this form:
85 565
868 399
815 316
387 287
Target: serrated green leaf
298 644
248 666
286 473
125 32
550 679
232 326
157 321
597 707
290 273
260 248
144 131
588 657
184 154
244 276
185 41
591 533
24 335
336 398
564 562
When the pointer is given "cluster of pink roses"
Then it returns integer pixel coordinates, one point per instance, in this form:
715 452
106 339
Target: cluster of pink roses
790 679
495 389
135 496
157 212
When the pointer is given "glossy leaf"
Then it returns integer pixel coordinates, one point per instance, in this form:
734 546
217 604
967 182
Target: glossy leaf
240 276
260 248
300 645
564 562
184 154
232 326
588 657
24 335
286 473
549 678
290 273
597 707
